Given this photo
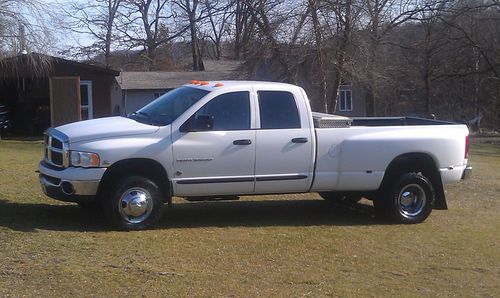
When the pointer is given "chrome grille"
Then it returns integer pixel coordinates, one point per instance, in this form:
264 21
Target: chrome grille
56 148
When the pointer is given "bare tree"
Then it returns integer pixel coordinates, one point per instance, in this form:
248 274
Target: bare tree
342 34
277 30
24 25
383 17
244 25
219 13
320 54
148 24
96 18
474 31
194 14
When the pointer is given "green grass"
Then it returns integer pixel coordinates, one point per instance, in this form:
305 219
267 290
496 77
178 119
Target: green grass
291 245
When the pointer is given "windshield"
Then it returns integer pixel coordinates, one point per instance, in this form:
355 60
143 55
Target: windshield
166 108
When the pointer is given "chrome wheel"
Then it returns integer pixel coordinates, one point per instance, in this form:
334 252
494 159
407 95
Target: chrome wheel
411 200
135 205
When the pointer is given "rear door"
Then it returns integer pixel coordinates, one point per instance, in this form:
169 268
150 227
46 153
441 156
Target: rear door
219 161
284 152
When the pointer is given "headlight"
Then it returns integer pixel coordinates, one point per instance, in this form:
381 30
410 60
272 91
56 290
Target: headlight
84 159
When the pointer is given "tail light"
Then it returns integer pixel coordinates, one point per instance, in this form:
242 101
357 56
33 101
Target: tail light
467 143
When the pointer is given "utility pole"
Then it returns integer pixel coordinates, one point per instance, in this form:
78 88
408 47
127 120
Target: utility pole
22 40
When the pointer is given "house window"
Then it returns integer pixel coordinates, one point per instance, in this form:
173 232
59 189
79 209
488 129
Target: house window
345 99
158 94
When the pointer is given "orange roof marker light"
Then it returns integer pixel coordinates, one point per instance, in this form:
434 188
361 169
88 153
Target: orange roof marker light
218 85
201 83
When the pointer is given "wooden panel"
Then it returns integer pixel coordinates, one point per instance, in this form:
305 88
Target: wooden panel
64 100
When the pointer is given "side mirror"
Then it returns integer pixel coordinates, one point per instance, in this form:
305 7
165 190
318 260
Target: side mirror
198 123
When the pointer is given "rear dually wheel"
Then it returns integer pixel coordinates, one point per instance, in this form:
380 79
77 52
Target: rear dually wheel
409 200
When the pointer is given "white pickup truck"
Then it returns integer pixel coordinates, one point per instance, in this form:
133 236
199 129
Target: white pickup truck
230 138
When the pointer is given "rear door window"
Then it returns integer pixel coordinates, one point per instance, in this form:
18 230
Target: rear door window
278 110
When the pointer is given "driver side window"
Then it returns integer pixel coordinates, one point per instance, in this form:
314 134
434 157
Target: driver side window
230 111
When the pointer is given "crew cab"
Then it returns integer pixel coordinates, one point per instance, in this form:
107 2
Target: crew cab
231 138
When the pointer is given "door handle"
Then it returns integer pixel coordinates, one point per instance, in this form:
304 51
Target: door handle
242 142
299 140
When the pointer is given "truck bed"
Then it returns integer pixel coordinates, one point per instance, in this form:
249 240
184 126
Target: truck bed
396 121
322 120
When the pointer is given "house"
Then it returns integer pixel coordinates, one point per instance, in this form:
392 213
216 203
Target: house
132 90
351 100
42 91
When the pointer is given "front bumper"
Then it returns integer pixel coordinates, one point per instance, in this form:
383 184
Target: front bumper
64 185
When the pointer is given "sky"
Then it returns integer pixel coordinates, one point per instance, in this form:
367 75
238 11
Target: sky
50 14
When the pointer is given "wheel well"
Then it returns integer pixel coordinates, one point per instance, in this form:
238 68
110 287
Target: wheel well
136 166
416 162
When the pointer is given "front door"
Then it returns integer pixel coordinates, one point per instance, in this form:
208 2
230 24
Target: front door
220 160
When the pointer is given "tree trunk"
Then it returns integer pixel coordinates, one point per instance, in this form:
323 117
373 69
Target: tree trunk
373 40
195 49
476 82
107 51
334 101
370 93
340 56
150 57
239 29
319 55
195 43
218 49
427 91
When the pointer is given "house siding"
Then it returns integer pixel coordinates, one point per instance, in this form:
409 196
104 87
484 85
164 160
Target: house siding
101 86
136 99
358 103
27 92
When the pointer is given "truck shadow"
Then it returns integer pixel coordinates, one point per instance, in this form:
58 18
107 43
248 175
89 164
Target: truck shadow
267 213
32 216
29 217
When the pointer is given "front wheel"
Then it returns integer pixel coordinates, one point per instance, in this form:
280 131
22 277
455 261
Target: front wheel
410 200
134 204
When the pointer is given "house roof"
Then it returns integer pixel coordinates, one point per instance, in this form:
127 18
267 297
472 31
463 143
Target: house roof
215 70
41 65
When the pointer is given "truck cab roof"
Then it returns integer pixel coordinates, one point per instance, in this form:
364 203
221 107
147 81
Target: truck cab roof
216 85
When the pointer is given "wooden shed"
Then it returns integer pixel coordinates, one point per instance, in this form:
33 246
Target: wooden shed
42 91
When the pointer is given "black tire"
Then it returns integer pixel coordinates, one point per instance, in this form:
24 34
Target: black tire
144 204
409 200
339 198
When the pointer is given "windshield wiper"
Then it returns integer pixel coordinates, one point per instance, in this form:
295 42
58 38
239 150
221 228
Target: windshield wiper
144 115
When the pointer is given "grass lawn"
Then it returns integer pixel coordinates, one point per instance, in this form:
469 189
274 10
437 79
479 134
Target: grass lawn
291 245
